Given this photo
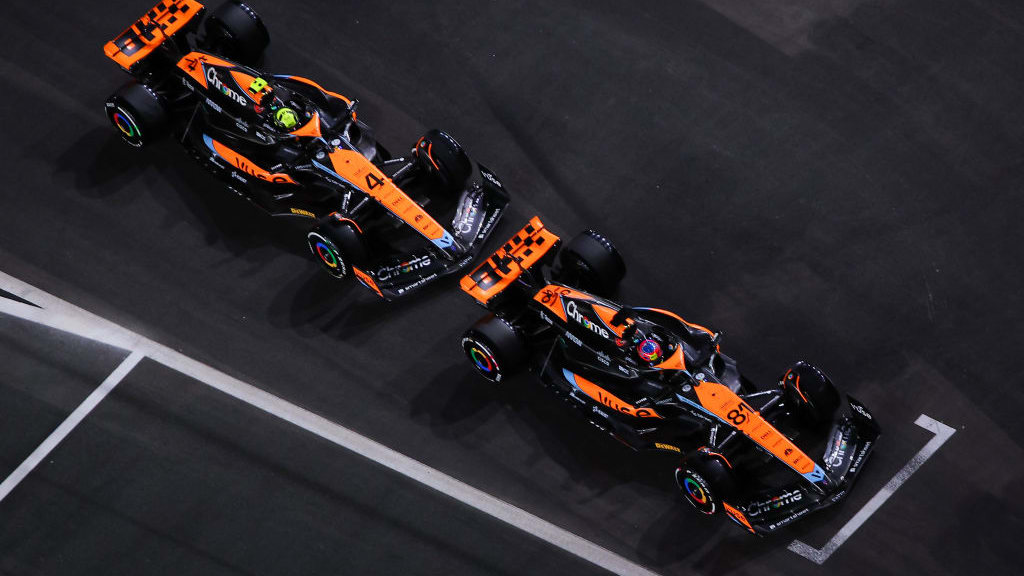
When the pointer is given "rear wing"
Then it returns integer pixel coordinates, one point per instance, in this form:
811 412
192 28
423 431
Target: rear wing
524 250
165 19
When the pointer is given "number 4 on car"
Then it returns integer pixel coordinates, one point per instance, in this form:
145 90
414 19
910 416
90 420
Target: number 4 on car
297 150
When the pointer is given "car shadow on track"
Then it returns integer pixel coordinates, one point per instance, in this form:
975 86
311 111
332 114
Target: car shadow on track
457 405
106 168
314 303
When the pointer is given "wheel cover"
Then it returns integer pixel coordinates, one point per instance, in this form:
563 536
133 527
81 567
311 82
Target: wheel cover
696 491
482 357
126 124
329 256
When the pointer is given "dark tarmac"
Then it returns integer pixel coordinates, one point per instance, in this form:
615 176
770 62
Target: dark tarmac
836 181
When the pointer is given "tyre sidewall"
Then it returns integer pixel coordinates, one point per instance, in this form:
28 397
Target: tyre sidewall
442 156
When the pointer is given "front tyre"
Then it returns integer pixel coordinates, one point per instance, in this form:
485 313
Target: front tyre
811 393
338 245
439 154
138 113
706 480
495 348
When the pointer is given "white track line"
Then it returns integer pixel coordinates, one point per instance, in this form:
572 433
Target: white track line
68 424
942 433
66 317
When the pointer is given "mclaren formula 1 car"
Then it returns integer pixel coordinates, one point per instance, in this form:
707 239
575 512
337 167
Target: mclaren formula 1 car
765 456
296 149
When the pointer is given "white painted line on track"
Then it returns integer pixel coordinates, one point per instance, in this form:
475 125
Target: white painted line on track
66 317
69 424
942 433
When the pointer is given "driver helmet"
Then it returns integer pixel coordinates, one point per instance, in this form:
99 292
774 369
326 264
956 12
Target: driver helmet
286 117
649 350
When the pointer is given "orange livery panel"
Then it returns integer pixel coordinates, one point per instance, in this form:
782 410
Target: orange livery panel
145 35
244 164
360 172
521 252
607 398
725 404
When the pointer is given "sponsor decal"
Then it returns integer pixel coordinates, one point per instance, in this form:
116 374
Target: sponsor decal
694 490
125 124
214 79
836 449
301 212
604 359
491 178
603 397
487 227
328 257
860 458
572 311
389 272
860 410
466 216
788 519
623 369
417 284
667 447
574 339
787 498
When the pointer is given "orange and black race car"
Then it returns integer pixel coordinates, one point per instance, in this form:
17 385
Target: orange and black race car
296 149
765 456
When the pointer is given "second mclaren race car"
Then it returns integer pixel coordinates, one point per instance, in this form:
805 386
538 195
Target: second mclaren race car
763 455
297 149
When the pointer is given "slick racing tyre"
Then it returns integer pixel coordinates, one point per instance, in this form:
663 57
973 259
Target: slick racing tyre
338 245
138 113
495 348
811 393
706 480
237 31
592 262
439 154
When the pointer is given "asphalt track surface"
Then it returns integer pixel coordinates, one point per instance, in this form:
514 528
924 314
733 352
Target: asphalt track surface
833 181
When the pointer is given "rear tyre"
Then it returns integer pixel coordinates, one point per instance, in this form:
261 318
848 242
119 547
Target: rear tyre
138 113
238 32
592 262
706 480
495 348
811 393
439 154
338 245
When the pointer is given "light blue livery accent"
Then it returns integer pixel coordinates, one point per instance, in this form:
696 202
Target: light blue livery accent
815 476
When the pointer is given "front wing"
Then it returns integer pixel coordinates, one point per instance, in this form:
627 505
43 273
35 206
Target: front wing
852 438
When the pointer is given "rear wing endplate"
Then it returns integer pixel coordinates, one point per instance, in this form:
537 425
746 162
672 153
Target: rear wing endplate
149 32
522 251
